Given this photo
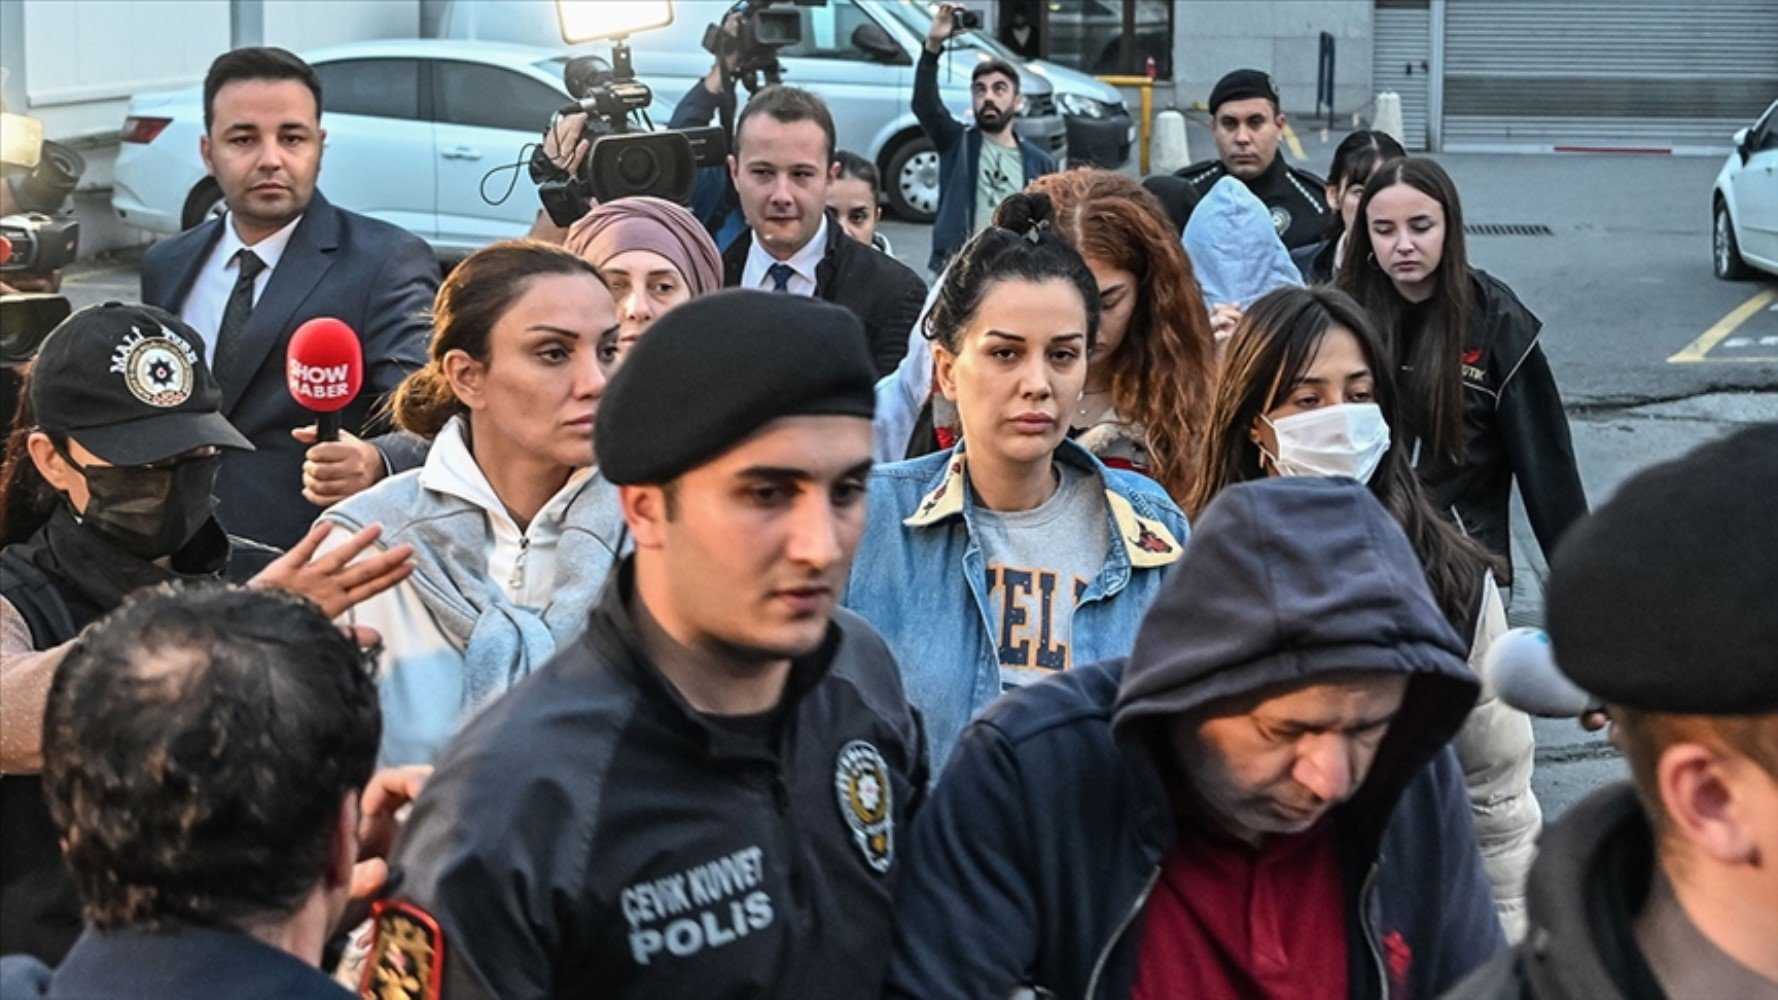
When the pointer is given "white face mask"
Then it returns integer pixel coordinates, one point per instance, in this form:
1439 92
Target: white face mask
1345 440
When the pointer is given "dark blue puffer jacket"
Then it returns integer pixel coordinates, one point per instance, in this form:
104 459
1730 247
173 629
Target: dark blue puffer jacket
1033 860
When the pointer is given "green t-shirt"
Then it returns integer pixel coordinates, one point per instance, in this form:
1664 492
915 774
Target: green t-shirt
1001 173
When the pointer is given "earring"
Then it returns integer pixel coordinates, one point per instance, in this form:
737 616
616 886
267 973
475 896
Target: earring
1372 258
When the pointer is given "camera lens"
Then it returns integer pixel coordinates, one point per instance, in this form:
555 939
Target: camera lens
637 167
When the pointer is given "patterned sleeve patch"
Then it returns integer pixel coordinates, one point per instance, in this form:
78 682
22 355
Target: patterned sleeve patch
406 960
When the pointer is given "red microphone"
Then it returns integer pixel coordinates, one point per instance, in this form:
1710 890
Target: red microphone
324 369
5 249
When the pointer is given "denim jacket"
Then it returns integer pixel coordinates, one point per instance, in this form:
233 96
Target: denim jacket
920 579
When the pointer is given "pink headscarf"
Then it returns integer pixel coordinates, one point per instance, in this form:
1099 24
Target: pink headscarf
649 224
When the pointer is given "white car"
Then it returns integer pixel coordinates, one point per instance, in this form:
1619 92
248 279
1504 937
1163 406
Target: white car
414 126
1744 207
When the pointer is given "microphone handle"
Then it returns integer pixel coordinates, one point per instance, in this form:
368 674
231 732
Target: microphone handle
327 426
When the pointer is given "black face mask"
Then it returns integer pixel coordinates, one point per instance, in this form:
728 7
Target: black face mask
149 511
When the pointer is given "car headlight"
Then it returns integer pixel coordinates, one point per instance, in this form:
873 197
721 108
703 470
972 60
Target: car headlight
1082 106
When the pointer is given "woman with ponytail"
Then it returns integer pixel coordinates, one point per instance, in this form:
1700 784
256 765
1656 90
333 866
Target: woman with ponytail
512 532
1014 553
1355 159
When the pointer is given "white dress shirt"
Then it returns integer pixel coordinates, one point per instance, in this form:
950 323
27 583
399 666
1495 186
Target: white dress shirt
803 262
215 282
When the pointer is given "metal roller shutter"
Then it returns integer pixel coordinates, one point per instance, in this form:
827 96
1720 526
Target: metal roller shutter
1401 51
1618 73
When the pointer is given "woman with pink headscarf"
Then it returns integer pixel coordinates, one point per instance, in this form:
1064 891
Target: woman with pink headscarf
654 255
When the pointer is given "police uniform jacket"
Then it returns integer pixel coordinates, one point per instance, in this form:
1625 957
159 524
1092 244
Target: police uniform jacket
592 834
1296 198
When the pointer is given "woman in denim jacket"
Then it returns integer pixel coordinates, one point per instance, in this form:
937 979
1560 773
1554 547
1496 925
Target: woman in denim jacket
990 567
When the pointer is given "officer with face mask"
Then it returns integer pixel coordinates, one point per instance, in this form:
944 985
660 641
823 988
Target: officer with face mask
124 451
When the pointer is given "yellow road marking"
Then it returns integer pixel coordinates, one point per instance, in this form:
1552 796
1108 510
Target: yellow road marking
1296 148
1698 349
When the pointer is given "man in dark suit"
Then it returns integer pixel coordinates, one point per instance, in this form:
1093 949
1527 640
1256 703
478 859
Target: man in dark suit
781 168
283 256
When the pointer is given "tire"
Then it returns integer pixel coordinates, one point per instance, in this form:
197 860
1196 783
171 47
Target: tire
204 201
1725 252
911 181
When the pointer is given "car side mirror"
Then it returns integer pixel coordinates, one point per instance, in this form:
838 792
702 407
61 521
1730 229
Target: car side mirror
873 41
1741 143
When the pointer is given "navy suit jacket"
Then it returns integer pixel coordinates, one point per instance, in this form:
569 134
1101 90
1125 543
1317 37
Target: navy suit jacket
177 963
379 279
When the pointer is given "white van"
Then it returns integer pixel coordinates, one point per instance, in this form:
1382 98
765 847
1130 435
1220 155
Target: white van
859 56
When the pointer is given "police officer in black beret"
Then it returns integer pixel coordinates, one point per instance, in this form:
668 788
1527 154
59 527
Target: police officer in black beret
706 794
1247 125
1663 605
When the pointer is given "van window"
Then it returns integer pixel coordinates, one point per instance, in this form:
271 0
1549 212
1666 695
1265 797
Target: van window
827 32
381 88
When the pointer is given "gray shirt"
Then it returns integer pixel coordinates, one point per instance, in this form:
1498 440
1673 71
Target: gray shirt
1039 563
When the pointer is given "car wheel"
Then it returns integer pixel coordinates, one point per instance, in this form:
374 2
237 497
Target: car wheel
912 180
204 201
1726 253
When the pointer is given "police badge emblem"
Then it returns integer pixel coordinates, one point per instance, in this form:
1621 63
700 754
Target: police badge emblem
157 367
1280 219
406 960
861 779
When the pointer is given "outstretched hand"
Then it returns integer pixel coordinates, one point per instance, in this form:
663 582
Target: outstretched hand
334 581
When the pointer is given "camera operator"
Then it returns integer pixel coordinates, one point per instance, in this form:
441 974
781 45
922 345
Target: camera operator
120 461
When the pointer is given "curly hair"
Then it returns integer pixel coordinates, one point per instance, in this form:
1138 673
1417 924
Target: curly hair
1162 372
197 745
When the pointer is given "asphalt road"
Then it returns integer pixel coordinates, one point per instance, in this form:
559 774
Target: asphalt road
1622 283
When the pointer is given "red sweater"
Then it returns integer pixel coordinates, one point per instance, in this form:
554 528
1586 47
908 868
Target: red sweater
1231 922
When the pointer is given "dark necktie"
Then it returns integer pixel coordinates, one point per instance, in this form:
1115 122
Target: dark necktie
780 275
240 306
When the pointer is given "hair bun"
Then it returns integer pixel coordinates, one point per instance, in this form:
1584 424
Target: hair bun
1025 213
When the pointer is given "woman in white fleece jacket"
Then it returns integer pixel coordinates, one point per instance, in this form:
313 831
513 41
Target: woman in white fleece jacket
1305 389
513 534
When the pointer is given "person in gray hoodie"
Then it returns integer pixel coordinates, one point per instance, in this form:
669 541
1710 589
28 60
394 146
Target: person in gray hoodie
1259 799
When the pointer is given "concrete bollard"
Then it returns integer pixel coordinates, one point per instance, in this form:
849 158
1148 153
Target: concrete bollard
1167 148
1388 115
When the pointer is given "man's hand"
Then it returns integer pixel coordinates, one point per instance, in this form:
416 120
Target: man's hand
334 581
565 144
944 27
379 812
335 470
25 282
1224 317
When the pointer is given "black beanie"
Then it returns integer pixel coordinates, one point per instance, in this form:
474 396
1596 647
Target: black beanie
712 372
1241 85
1666 598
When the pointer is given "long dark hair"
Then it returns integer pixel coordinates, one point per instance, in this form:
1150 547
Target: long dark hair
1019 246
1272 347
1355 159
1161 374
1430 359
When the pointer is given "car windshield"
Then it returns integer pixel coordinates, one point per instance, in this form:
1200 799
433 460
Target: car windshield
917 17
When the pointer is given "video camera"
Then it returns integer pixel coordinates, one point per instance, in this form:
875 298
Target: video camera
623 159
34 240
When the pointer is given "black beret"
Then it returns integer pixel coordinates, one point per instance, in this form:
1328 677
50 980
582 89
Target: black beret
1666 598
713 371
1241 85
